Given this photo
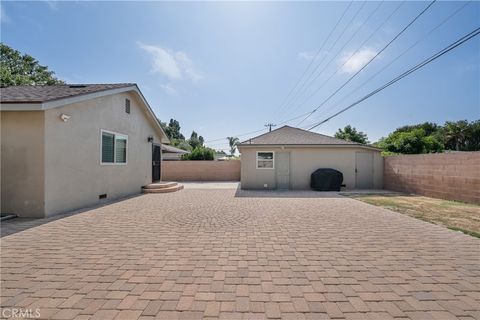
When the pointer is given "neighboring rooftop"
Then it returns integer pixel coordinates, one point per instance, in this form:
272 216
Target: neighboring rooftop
40 94
287 135
170 149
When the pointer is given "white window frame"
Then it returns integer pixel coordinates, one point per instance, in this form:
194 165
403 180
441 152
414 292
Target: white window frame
115 134
273 160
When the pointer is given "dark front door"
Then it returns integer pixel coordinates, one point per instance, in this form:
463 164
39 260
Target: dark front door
156 162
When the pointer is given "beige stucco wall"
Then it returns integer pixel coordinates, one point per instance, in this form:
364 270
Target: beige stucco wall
49 166
74 175
22 163
201 170
452 176
303 161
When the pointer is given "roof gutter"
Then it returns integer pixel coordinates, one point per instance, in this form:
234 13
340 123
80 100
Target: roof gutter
247 145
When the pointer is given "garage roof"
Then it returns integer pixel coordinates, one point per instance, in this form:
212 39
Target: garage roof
287 135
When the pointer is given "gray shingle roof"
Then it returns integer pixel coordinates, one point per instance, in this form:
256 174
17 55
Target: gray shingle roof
170 149
39 94
287 135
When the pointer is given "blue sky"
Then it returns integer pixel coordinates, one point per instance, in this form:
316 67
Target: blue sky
226 68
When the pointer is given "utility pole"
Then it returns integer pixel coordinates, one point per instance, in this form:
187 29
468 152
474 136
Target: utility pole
270 125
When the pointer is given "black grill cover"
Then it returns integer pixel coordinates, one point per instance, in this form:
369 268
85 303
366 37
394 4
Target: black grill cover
326 179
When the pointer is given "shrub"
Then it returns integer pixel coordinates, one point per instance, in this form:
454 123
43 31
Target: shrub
199 153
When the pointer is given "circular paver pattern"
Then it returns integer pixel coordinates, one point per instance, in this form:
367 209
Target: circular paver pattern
206 219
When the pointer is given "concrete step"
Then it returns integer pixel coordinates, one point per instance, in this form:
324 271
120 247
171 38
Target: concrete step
174 188
161 185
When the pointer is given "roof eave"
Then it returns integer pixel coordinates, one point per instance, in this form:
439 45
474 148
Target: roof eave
41 106
252 145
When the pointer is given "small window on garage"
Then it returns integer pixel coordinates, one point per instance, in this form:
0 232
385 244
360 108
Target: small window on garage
127 106
265 160
114 148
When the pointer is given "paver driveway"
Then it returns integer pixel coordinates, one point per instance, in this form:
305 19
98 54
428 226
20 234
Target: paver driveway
210 254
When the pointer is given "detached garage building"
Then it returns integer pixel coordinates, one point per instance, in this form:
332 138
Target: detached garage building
286 157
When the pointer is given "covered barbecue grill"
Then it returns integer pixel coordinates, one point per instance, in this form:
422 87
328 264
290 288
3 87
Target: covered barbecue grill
326 179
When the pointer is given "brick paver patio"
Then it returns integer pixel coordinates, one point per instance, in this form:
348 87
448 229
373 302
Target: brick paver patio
210 254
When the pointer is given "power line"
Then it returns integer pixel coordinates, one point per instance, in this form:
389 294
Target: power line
306 70
376 55
406 73
308 113
260 130
306 86
316 55
238 135
270 125
350 57
370 36
405 51
347 25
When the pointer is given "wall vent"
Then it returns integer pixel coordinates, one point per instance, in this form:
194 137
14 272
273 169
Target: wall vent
127 106
102 196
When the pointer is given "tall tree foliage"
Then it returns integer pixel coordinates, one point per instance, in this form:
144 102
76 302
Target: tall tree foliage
195 144
172 130
429 137
350 133
23 69
195 140
233 142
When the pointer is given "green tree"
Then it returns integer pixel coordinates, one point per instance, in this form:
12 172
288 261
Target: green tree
181 144
172 129
473 140
410 142
199 153
233 142
195 141
350 133
430 128
22 69
456 135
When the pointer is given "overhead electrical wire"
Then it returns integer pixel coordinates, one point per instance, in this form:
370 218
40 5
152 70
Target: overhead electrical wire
409 48
306 86
420 65
372 59
347 25
404 52
306 70
316 55
260 130
348 59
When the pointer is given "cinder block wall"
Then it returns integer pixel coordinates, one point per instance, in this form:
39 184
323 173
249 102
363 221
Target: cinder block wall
201 170
452 176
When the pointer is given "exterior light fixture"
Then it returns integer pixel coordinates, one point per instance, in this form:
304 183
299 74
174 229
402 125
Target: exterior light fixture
150 139
65 117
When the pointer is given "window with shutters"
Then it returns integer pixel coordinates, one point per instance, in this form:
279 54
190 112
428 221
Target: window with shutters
114 148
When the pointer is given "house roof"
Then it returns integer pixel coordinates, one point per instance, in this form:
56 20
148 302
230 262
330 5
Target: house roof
40 94
170 149
287 135
39 98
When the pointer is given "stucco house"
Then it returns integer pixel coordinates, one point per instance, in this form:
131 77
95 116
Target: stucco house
65 147
286 157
